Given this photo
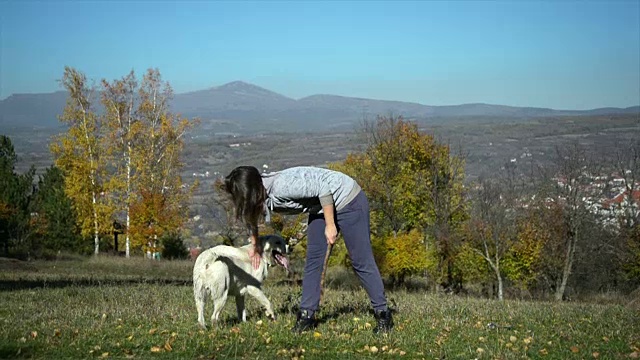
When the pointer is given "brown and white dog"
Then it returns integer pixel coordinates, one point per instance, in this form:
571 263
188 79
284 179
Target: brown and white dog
226 270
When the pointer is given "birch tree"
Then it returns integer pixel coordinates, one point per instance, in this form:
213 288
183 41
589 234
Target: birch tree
118 99
160 205
79 155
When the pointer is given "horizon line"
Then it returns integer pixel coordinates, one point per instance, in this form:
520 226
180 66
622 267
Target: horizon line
351 97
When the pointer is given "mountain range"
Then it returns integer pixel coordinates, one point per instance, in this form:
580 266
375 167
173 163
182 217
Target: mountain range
240 105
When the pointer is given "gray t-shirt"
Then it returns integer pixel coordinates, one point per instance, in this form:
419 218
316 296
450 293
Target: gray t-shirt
307 189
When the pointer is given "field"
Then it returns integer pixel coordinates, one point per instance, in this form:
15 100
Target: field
116 308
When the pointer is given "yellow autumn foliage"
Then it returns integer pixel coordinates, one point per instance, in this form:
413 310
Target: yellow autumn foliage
402 255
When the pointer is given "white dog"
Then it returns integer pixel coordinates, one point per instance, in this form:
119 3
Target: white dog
226 270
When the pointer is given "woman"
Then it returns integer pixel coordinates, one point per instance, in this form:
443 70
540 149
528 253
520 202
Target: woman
335 202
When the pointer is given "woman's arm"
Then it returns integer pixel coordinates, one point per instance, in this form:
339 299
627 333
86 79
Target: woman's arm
330 229
255 252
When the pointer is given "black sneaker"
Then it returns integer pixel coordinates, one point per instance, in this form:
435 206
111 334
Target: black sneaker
384 320
304 322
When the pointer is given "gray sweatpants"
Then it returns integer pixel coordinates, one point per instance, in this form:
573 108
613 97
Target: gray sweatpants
353 223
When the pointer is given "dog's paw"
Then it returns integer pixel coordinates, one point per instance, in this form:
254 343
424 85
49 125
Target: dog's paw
271 317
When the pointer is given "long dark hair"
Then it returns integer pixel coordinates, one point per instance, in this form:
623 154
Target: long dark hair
248 194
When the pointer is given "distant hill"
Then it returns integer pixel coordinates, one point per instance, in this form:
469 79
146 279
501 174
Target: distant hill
240 105
32 109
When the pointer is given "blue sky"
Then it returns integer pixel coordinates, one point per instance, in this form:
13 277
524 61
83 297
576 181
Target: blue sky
563 55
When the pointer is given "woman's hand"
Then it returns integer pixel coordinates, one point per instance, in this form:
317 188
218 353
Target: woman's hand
255 255
331 233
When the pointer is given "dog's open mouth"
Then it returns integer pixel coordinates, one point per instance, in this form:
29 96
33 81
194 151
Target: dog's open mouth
281 259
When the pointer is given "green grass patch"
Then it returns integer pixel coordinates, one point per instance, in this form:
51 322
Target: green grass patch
118 308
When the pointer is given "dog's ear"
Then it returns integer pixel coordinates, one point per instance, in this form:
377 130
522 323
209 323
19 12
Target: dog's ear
266 244
278 242
274 242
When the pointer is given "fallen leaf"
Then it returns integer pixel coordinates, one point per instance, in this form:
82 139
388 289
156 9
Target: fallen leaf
543 351
385 348
105 354
235 330
479 350
168 347
595 355
56 332
528 340
574 349
316 334
634 355
34 334
402 353
259 322
156 349
373 349
513 338
130 337
153 331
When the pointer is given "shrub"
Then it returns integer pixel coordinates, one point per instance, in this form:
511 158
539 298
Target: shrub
173 247
401 255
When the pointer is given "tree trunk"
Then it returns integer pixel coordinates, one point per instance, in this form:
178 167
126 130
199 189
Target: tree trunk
96 238
568 265
92 176
500 286
128 242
